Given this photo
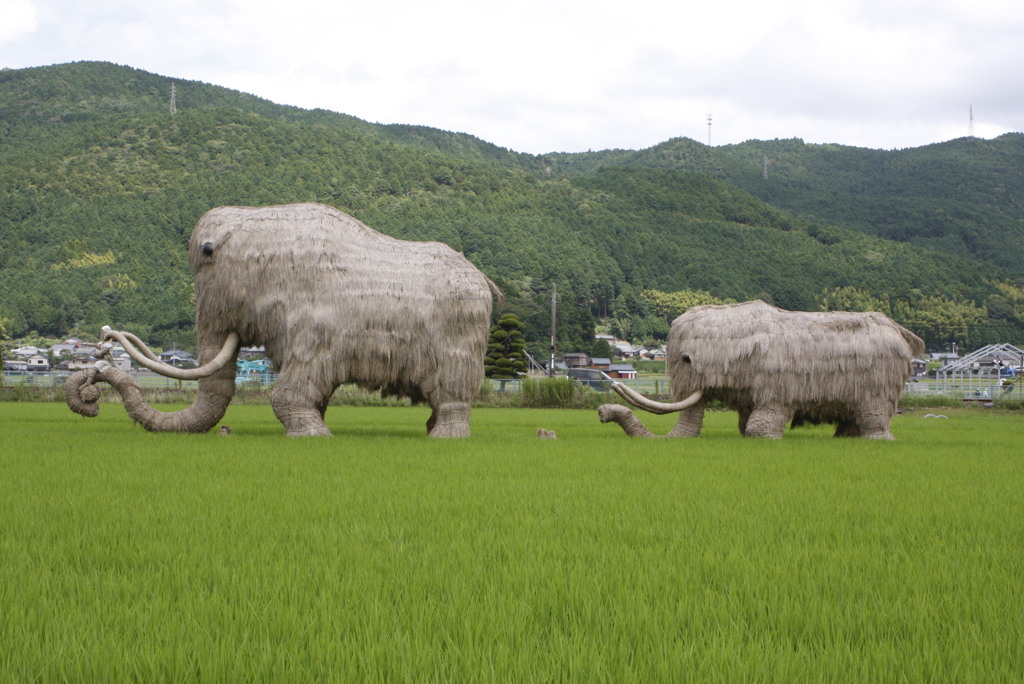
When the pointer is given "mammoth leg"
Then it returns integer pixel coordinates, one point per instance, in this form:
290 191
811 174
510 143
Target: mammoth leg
872 422
449 419
299 406
744 418
768 421
450 396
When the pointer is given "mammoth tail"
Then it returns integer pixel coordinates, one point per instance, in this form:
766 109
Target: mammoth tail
496 291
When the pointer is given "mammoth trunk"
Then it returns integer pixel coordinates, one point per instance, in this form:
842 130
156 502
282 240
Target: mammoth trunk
205 412
216 384
686 426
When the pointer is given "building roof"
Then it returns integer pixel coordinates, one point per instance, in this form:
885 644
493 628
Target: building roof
990 355
177 352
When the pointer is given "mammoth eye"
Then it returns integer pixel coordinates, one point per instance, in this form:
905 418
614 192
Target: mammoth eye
687 359
207 248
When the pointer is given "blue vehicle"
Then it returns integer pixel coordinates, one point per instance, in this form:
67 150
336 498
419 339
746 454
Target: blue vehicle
256 370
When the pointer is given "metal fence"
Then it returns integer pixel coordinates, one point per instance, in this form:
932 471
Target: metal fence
57 378
649 386
968 388
148 379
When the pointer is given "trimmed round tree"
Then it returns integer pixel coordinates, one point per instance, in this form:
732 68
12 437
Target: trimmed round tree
505 349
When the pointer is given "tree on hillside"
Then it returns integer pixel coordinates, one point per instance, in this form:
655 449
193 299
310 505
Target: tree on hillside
670 305
603 350
848 298
505 346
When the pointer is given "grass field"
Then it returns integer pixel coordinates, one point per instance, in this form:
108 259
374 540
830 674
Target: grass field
381 555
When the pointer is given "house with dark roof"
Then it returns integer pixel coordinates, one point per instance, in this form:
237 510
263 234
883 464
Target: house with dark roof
177 357
625 371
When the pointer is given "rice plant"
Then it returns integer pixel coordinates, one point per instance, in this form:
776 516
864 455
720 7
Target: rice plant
382 555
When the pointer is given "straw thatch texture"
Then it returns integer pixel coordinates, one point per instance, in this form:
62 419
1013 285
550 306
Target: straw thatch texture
774 366
334 301
795 358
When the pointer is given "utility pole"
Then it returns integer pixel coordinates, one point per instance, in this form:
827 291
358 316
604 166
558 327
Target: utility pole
554 319
709 130
970 125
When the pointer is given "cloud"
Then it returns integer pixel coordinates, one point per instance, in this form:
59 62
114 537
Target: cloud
20 19
551 75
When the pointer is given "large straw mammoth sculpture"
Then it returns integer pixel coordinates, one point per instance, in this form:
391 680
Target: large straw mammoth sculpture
333 302
775 366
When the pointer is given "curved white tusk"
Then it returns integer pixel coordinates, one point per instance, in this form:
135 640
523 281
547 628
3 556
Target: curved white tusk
640 401
108 333
227 353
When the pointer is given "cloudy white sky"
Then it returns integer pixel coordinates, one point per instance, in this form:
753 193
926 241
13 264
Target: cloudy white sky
570 75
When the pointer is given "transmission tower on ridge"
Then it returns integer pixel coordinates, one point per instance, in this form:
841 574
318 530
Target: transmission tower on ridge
174 107
970 125
709 130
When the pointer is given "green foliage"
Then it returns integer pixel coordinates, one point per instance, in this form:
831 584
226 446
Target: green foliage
1008 304
852 299
602 350
575 325
646 316
670 305
960 197
550 393
650 367
938 320
505 347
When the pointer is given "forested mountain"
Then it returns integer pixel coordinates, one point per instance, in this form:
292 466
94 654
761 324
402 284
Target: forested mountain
964 197
100 185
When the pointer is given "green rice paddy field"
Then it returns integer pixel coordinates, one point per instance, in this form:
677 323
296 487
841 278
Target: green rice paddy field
381 555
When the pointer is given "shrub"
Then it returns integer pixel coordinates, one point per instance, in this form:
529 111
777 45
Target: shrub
549 393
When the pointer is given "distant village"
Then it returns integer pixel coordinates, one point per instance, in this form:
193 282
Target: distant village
74 354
